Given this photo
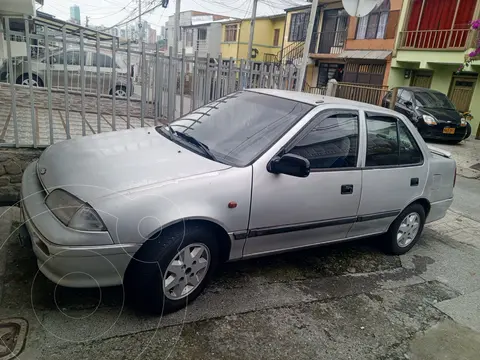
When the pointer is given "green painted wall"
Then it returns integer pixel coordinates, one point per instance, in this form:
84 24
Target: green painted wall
441 81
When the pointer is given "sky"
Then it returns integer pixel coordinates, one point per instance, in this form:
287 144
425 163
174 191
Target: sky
112 12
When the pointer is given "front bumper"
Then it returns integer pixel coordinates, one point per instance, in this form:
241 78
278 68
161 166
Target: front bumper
436 132
69 265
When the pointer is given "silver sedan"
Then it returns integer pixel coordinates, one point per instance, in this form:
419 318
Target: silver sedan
254 173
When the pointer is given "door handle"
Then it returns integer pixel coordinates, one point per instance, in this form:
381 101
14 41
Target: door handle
414 182
346 189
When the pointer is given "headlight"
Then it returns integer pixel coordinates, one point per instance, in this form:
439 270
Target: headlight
463 122
429 120
73 212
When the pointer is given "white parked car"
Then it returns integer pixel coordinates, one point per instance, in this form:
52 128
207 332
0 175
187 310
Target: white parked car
254 173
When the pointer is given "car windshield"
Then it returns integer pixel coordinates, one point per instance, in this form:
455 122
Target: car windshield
238 128
433 100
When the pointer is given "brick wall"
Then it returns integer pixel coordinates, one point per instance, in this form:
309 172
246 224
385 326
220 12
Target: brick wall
40 95
12 164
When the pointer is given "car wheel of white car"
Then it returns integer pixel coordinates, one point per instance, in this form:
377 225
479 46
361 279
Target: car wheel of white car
406 229
120 91
24 80
172 269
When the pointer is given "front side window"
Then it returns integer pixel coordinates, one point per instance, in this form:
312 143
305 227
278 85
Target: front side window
331 143
73 58
390 143
239 127
298 26
374 25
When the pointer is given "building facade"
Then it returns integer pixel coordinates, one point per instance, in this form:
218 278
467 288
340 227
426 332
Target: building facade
433 41
346 48
187 20
75 14
267 37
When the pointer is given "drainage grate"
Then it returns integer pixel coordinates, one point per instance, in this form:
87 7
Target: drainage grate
475 166
12 337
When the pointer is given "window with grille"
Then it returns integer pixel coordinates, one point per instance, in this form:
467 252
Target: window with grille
374 25
298 27
231 33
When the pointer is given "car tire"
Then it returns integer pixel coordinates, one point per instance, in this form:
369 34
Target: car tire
468 132
149 273
405 231
23 80
120 91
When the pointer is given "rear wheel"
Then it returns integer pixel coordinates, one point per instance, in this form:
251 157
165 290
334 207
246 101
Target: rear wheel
120 91
25 80
406 230
171 270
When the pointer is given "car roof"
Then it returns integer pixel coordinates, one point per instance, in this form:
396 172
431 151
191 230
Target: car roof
418 89
319 100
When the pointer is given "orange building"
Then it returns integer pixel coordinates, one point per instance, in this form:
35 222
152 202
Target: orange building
349 49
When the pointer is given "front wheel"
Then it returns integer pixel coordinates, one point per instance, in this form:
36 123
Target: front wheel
405 230
468 132
25 80
171 270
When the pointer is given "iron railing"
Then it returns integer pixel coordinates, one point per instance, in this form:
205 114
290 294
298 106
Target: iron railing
81 87
371 94
315 90
329 42
455 39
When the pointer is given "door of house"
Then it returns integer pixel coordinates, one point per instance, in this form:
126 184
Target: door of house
333 31
421 79
461 91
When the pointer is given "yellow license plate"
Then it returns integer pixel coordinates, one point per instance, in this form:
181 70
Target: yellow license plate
448 130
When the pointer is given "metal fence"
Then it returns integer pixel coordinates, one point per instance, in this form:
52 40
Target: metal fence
65 85
371 94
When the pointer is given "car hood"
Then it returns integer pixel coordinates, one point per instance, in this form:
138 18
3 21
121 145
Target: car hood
442 115
100 165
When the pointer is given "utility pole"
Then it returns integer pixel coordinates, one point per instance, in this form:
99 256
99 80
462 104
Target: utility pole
86 21
306 47
252 29
140 30
176 29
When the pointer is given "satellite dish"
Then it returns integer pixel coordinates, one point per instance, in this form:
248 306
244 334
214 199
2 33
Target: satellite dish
360 8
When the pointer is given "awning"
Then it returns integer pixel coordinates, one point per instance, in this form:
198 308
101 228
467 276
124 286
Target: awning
365 54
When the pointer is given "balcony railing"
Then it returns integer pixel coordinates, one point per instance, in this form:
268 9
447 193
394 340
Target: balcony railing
329 42
456 39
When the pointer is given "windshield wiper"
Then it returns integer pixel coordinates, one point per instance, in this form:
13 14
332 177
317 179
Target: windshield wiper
194 141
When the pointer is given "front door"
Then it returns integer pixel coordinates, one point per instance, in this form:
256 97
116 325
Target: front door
394 168
461 92
289 212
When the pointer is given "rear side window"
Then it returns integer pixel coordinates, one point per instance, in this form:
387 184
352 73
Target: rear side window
331 143
390 143
409 151
102 60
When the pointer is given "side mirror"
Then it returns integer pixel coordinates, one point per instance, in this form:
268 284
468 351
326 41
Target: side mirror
409 104
289 164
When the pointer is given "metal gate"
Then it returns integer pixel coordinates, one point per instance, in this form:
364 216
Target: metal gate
79 83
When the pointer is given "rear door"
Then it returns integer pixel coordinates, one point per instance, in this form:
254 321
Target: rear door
394 174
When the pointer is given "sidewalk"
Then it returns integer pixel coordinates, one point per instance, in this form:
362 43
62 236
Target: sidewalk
466 154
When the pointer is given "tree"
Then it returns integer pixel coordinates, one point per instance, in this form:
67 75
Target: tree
472 56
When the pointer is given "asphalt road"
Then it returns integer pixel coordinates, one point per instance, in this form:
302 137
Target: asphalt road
467 198
344 301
